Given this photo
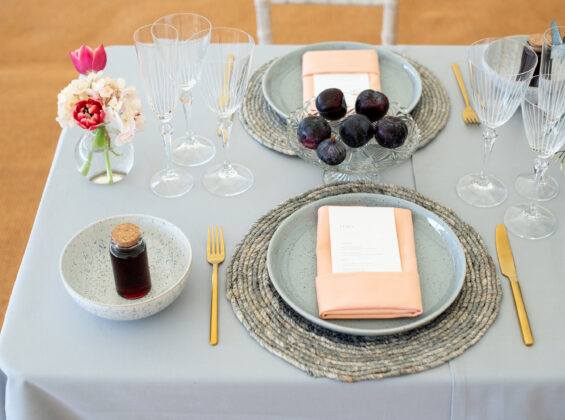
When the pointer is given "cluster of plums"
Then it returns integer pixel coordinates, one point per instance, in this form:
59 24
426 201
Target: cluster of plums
315 133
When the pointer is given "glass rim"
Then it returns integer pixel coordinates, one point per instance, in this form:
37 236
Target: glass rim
185 14
150 26
508 38
548 30
226 29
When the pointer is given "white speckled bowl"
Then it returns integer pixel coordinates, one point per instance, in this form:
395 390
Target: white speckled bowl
87 271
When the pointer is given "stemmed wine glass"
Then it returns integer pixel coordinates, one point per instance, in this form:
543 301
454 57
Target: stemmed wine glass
545 134
194 38
501 69
225 74
553 59
157 56
550 96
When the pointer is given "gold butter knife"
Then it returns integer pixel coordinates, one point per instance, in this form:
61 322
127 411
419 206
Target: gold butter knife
508 268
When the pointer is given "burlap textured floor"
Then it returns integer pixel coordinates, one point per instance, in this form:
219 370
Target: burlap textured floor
35 66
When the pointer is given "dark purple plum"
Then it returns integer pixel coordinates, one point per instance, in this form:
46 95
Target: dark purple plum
391 132
312 130
331 151
371 103
356 130
331 104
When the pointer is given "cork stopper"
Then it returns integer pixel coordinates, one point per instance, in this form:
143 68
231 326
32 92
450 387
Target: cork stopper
536 41
126 235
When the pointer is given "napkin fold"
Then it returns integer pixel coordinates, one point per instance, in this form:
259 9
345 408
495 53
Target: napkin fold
339 61
368 294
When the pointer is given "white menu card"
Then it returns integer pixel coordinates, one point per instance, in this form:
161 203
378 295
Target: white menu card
363 239
351 84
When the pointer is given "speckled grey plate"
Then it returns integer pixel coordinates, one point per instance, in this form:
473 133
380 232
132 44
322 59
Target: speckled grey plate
282 82
291 261
87 271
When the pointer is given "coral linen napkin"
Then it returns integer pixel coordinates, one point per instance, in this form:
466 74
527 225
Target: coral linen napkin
339 62
368 294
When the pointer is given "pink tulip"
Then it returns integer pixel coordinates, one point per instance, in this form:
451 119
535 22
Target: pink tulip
89 114
86 59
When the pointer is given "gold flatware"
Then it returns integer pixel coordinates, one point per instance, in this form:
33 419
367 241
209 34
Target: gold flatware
469 114
508 268
226 94
215 254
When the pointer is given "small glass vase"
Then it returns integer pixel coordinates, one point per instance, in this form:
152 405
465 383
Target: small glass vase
99 159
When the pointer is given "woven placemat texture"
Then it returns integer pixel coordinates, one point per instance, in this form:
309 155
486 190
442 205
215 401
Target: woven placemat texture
268 128
324 353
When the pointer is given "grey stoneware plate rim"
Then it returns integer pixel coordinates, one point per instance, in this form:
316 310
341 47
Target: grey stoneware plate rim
425 222
290 65
104 309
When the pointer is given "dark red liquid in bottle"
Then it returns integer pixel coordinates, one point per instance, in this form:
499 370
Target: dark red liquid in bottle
131 270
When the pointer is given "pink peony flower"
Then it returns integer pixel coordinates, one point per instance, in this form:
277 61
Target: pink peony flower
89 114
86 59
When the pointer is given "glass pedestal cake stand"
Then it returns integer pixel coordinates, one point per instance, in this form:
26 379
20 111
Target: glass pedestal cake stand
362 163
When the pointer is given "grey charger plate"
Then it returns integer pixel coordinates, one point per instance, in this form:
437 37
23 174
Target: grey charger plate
282 82
291 262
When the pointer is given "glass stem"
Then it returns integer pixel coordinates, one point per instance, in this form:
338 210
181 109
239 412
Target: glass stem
226 126
540 168
186 100
167 132
489 135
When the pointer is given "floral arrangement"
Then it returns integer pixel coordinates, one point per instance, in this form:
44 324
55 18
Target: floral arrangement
95 102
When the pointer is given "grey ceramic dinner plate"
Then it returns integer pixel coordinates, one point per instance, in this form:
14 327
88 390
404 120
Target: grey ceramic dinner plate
291 261
282 82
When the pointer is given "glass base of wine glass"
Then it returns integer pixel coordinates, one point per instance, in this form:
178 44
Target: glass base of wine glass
192 152
526 186
481 190
228 182
530 222
332 176
171 183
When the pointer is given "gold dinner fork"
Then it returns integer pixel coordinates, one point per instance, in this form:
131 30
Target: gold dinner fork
469 114
215 254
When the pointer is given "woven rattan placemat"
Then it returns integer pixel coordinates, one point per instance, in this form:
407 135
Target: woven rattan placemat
268 128
324 353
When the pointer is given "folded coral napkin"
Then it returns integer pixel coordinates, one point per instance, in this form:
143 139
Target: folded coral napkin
339 62
368 294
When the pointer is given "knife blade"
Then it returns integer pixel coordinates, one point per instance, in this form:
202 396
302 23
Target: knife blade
508 268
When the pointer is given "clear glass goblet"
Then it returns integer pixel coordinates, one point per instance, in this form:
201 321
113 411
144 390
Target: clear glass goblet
225 74
194 38
157 56
500 69
545 135
550 96
553 59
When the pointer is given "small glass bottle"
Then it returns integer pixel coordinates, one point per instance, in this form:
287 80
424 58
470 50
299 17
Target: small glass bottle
128 254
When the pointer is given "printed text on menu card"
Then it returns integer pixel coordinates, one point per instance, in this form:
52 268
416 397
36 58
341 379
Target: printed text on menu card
363 239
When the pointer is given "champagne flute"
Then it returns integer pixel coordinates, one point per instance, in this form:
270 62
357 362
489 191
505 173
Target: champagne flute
499 79
545 135
157 56
225 74
550 96
194 38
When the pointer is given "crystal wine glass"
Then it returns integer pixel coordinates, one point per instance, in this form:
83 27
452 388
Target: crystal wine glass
545 135
157 56
194 38
550 96
225 74
552 57
501 69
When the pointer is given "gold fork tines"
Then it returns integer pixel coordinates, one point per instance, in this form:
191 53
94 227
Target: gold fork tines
215 254
469 114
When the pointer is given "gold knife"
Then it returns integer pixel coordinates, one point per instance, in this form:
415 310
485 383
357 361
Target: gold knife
508 268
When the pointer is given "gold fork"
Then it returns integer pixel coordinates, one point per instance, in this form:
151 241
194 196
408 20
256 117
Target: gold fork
469 114
225 93
215 254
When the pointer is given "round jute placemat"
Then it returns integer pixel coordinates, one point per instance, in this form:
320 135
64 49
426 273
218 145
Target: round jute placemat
268 128
324 353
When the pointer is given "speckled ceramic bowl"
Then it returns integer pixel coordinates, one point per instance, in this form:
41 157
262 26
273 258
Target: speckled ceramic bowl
87 271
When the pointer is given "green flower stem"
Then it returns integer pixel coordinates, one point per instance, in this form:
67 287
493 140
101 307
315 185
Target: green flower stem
107 148
97 143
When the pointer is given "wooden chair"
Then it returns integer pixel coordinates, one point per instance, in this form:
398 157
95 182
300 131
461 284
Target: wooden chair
390 16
